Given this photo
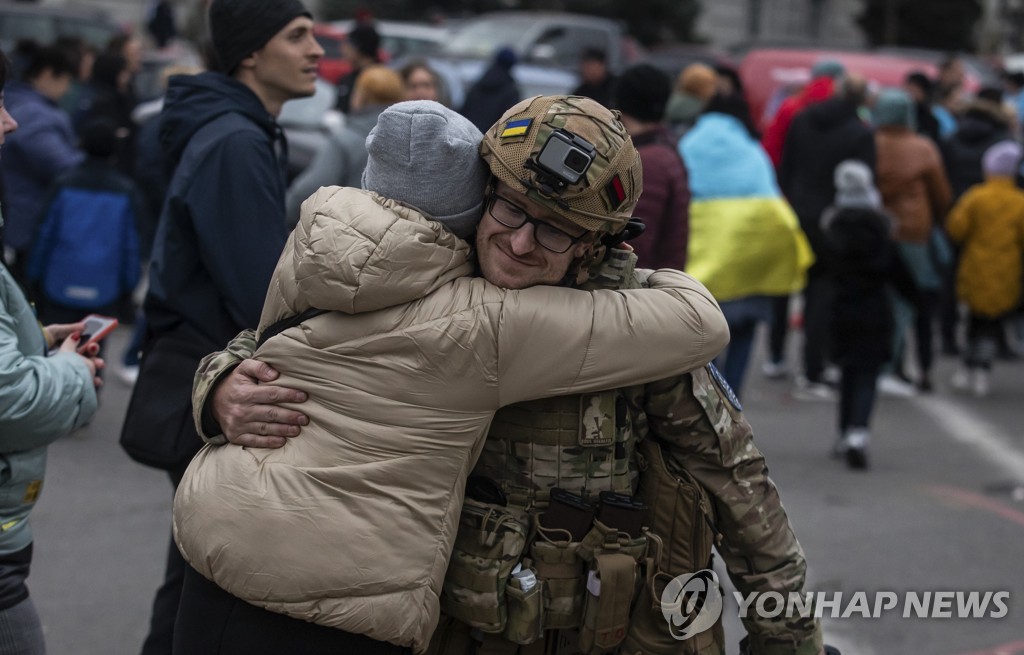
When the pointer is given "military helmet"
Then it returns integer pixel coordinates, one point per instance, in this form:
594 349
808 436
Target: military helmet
571 154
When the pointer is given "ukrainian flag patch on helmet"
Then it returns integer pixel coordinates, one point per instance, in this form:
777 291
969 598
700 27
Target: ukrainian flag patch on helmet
516 128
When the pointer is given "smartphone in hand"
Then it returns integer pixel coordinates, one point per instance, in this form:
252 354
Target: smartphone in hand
96 328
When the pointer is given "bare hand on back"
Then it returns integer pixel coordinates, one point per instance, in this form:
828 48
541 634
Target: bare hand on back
250 413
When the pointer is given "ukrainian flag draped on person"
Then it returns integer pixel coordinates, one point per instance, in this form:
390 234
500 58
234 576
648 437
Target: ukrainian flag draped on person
745 239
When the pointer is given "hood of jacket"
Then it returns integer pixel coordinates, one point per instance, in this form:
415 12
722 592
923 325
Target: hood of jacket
355 251
192 101
495 78
981 122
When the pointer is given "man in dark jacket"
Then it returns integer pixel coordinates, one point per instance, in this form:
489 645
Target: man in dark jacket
596 81
642 95
984 124
361 49
223 224
920 87
821 136
493 93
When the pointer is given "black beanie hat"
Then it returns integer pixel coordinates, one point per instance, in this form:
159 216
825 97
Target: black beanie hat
239 28
642 92
365 39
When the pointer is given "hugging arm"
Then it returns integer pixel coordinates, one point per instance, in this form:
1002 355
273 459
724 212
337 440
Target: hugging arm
230 403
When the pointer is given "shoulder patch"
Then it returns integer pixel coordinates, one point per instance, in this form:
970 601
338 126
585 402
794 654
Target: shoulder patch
719 379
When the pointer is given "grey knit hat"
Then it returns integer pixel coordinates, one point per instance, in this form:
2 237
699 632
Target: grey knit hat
428 156
854 185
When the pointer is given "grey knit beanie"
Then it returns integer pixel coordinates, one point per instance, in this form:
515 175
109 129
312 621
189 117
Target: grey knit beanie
854 185
239 28
428 156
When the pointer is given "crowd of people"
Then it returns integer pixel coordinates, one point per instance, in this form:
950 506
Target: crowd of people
379 332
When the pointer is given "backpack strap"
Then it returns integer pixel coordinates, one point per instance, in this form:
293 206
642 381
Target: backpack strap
287 322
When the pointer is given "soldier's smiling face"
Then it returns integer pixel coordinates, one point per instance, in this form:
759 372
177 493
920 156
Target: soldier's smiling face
512 258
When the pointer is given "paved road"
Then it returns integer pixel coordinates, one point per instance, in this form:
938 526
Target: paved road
940 510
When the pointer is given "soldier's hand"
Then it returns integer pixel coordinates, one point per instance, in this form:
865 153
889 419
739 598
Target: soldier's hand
250 413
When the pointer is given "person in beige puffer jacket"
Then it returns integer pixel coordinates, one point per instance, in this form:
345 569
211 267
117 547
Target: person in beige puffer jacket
352 526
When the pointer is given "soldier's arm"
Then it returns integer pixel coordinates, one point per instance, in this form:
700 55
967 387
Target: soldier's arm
708 436
229 403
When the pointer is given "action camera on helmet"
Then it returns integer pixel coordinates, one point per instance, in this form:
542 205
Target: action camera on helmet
566 157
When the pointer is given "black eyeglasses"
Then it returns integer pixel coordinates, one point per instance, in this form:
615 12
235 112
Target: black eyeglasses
547 235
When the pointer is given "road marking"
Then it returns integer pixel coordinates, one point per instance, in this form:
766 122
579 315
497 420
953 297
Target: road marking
972 429
972 499
1012 648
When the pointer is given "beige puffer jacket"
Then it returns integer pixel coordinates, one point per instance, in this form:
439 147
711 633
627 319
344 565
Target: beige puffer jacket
351 524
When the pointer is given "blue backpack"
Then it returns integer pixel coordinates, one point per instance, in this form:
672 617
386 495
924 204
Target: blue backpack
86 254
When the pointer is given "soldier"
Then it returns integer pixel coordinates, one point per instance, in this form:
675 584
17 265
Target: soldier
681 446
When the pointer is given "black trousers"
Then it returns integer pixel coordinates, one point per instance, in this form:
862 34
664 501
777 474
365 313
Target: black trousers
778 327
817 310
213 622
857 396
165 604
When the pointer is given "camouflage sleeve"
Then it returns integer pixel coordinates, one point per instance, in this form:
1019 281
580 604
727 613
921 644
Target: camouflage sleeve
616 271
211 370
706 433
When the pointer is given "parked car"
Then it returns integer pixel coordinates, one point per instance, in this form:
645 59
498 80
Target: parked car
398 39
44 24
333 65
402 39
548 45
542 38
979 69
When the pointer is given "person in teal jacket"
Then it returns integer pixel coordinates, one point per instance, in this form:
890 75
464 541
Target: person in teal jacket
41 398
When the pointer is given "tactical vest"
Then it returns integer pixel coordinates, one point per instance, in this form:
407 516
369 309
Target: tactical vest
585 444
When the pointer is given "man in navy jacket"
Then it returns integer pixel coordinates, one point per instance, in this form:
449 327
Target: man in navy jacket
222 228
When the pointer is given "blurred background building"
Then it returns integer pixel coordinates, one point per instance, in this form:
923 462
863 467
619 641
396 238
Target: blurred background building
782 22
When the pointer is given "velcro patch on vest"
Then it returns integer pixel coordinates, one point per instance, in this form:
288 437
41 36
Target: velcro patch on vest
730 395
597 419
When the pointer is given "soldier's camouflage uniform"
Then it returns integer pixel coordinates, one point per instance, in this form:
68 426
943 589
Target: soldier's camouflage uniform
587 444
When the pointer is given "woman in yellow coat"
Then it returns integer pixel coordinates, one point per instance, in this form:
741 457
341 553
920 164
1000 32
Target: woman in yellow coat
988 223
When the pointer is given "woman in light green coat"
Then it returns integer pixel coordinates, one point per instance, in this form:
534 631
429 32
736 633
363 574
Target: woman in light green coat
41 398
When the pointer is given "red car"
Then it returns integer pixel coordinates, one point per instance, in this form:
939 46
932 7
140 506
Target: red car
333 65
770 74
